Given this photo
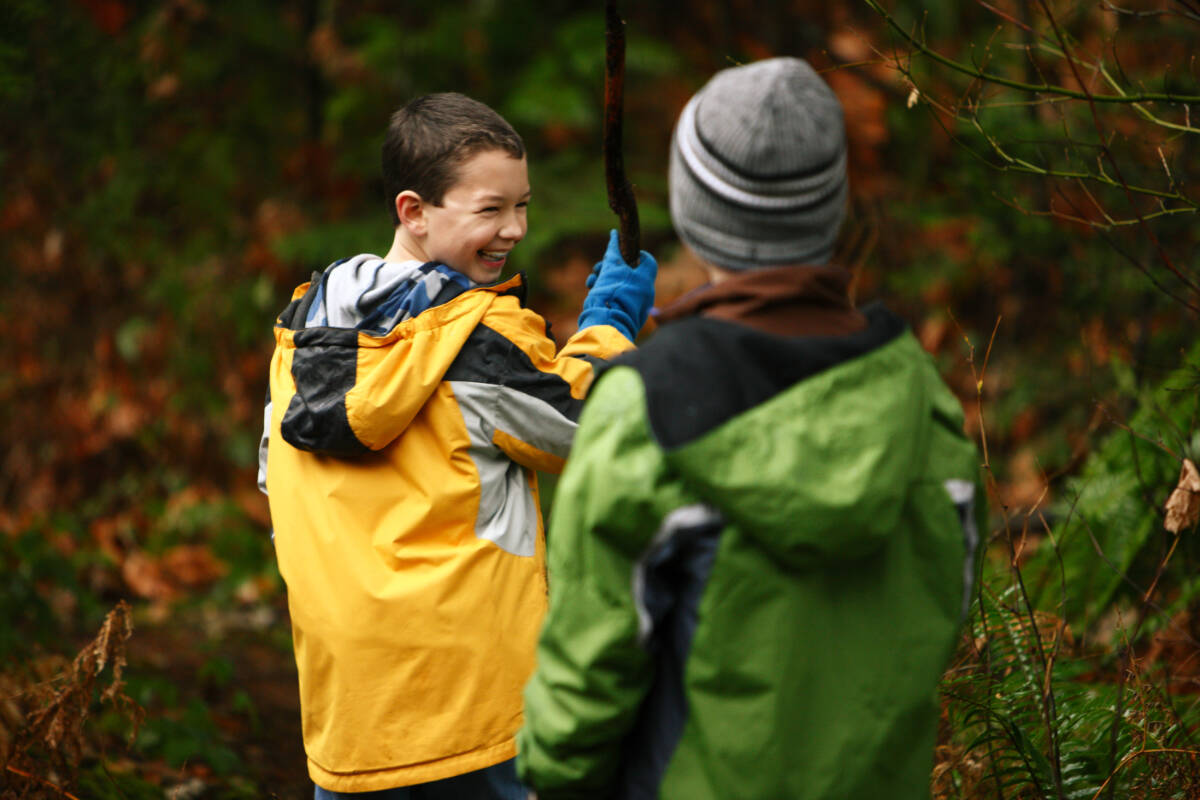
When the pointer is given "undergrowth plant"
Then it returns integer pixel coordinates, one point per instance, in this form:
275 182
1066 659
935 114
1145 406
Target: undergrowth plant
43 738
1062 687
1029 713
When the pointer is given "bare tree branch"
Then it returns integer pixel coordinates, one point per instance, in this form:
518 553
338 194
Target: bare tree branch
1187 11
1186 280
1005 16
1047 88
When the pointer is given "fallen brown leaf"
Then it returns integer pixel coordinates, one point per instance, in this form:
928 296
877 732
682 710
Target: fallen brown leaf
1183 506
192 565
146 577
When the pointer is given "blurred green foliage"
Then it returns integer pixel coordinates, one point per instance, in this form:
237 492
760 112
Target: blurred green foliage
172 170
1110 538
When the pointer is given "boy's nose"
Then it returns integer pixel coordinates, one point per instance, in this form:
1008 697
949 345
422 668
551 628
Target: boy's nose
514 227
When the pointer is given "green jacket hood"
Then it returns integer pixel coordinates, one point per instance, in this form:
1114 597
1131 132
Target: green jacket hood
833 432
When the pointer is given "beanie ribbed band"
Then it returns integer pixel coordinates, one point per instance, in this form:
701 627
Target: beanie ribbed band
758 167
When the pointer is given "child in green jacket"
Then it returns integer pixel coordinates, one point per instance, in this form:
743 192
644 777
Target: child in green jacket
762 545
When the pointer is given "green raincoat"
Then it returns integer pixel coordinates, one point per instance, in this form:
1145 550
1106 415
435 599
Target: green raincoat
760 556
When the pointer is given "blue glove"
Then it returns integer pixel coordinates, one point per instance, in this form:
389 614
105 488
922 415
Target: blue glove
619 295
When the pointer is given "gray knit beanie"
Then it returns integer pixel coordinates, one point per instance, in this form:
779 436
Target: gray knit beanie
758 167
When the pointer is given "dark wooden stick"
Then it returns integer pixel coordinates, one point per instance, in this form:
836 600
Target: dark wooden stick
620 193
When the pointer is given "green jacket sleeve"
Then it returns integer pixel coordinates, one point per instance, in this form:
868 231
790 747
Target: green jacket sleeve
591 671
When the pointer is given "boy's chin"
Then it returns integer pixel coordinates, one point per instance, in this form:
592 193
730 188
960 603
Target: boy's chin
483 273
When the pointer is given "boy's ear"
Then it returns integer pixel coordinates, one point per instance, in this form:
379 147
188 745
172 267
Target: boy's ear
410 208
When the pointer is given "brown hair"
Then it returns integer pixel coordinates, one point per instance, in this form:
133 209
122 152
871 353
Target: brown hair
429 137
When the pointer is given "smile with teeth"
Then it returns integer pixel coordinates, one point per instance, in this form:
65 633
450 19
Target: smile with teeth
493 255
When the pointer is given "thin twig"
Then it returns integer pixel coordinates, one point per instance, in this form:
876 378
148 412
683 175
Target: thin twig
1012 163
1127 656
1142 110
1015 164
42 781
1187 13
1049 704
1112 243
1005 16
1047 88
1091 99
1136 754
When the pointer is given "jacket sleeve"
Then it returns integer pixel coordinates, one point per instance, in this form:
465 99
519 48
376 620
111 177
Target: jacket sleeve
592 672
528 395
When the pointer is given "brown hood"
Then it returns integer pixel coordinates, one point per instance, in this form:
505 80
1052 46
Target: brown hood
785 301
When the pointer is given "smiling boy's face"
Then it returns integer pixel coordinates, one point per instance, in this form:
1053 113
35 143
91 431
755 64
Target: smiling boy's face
481 217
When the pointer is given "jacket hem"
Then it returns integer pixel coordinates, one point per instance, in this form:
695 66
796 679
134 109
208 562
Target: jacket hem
410 774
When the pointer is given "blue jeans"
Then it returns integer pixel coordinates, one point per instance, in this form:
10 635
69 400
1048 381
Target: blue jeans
497 782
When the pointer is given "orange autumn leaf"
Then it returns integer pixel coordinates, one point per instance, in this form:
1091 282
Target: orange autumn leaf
193 565
146 578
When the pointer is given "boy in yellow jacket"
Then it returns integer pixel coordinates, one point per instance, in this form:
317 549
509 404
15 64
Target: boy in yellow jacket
412 399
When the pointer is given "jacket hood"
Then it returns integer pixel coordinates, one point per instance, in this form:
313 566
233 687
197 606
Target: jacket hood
366 293
369 342
785 301
808 444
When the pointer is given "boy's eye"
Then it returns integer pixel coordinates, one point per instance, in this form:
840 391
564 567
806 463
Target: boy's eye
489 209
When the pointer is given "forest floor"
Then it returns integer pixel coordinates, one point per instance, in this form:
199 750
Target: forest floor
241 668
213 712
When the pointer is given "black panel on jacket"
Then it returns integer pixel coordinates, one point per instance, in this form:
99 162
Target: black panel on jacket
293 316
324 368
488 357
700 372
672 577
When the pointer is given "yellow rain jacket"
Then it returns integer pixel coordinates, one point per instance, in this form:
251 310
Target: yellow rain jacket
400 470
